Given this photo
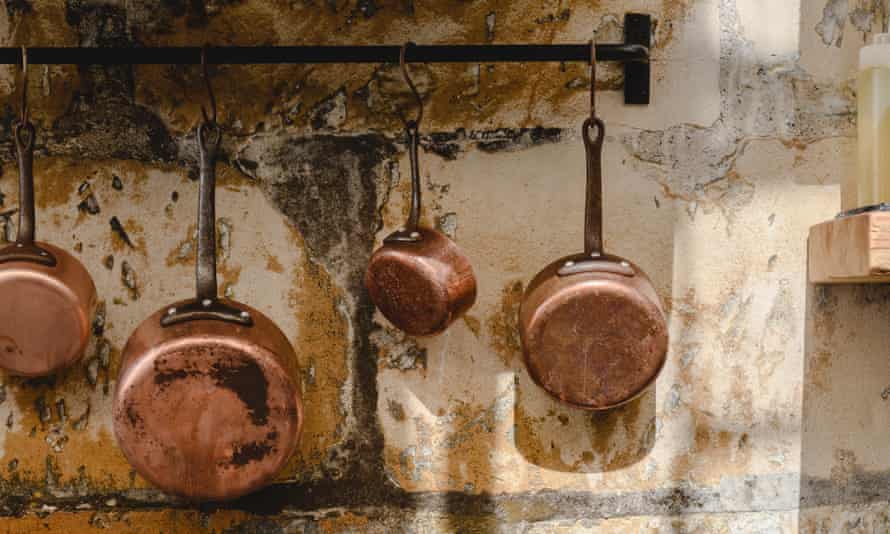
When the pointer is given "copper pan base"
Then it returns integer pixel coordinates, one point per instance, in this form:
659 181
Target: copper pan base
45 314
595 340
421 287
208 410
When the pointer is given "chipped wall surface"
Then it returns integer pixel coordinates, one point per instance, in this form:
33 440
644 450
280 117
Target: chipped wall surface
770 415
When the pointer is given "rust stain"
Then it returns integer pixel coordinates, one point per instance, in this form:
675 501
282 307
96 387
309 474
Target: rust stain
473 324
503 324
456 95
273 265
347 522
52 446
322 347
143 522
184 252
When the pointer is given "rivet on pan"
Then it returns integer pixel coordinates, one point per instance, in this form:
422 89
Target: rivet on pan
569 264
206 303
625 264
245 315
43 253
171 311
19 245
595 254
415 235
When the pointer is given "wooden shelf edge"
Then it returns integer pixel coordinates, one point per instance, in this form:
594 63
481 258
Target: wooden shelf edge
850 250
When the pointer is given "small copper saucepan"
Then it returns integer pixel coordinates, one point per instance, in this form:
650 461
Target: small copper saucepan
593 329
207 404
419 279
48 297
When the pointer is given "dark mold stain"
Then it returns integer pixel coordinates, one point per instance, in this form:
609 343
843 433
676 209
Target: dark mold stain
18 7
118 230
89 205
449 145
103 121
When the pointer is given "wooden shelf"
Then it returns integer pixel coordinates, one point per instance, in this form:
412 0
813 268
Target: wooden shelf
851 250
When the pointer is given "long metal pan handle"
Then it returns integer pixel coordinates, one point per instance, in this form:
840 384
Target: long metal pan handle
25 248
593 213
413 145
410 233
23 135
209 136
207 305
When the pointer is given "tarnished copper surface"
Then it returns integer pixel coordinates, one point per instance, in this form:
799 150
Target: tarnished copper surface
421 287
593 331
208 410
595 340
45 313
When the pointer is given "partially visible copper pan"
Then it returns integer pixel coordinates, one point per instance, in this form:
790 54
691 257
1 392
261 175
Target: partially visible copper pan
48 297
593 329
419 279
207 404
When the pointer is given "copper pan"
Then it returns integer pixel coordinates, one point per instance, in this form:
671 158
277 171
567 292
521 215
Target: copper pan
593 329
47 295
207 405
419 279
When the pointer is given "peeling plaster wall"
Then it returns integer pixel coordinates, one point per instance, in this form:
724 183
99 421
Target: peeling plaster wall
770 415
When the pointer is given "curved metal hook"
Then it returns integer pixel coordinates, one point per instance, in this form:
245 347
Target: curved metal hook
592 79
24 111
403 64
211 96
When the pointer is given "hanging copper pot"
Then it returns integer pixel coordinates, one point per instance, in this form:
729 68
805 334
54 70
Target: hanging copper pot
593 329
419 279
48 296
207 404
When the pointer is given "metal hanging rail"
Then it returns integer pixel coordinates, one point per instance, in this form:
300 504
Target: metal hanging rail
633 53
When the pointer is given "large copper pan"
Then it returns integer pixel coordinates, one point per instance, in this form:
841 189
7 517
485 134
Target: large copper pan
419 279
47 297
593 329
208 405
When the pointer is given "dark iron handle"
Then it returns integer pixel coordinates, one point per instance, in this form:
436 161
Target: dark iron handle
593 212
209 135
413 147
206 310
25 248
410 233
23 134
206 306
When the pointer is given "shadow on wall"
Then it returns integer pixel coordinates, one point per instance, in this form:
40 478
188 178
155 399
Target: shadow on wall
845 459
572 440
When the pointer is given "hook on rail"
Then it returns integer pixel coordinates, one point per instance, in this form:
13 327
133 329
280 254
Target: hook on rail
211 97
403 65
24 109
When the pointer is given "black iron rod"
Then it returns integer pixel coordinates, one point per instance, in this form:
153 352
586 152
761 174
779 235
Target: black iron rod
243 55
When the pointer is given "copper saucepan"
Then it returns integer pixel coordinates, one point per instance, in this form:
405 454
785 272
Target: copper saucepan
207 404
419 279
48 297
593 329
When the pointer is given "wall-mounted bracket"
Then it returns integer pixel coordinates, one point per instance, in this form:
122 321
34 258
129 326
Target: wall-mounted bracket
637 31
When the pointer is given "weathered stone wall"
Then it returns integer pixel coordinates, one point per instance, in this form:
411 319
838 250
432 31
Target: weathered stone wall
771 415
